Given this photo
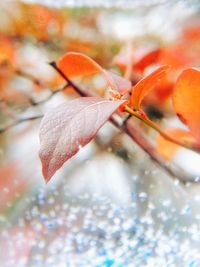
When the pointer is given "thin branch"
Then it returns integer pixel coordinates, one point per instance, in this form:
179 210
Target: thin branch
37 82
70 83
127 126
128 70
51 95
32 101
19 121
146 120
29 77
135 133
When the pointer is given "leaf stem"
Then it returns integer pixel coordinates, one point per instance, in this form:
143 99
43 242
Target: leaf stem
127 126
136 135
146 120
72 84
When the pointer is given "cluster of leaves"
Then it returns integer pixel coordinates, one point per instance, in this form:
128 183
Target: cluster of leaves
32 20
53 27
67 128
163 77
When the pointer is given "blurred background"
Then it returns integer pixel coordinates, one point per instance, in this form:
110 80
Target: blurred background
110 205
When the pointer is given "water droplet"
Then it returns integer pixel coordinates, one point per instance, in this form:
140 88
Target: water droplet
143 196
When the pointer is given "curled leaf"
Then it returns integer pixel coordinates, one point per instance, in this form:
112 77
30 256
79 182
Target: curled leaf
186 100
144 86
70 126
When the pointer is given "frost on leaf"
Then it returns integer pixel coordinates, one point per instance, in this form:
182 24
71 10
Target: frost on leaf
71 125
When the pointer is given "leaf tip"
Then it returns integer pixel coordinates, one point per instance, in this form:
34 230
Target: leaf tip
47 175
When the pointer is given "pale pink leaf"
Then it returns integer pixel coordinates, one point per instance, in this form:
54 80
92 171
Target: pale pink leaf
70 126
123 85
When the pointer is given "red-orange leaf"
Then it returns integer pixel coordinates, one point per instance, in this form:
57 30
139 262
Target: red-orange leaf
142 88
166 148
7 52
75 64
186 100
70 126
147 60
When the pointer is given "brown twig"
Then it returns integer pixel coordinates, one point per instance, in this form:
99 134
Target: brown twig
187 144
37 82
127 126
19 121
29 77
70 83
135 133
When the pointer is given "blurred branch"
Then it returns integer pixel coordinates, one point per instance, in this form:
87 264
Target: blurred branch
29 77
127 126
135 133
19 121
187 144
70 83
38 82
139 138
128 70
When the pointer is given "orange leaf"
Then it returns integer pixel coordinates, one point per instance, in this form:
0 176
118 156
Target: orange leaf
141 58
6 49
142 88
161 92
147 60
186 100
176 56
192 32
75 64
38 20
166 148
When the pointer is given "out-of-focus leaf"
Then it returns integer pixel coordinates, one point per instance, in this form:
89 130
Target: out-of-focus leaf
7 50
37 20
15 98
147 60
186 100
10 189
166 148
192 33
